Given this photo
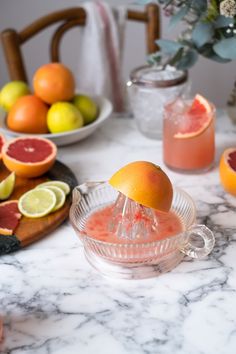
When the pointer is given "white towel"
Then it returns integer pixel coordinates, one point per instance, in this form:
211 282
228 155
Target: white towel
100 53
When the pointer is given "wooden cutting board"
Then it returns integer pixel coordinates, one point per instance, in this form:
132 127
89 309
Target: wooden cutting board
30 230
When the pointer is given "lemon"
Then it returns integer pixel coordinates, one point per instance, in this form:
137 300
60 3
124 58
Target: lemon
11 92
87 108
62 185
62 117
37 202
60 196
7 186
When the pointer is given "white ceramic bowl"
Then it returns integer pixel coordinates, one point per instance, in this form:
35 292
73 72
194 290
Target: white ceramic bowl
60 139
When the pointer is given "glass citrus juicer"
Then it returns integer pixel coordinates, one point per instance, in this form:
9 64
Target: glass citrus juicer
137 225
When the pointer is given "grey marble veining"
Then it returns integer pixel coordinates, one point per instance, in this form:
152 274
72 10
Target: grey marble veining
52 301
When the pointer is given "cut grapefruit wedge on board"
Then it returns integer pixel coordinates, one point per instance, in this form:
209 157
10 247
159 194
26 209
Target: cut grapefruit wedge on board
227 170
196 120
2 142
9 217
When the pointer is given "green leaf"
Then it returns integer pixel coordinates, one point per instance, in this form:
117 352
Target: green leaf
177 57
168 46
226 48
202 33
188 60
178 16
208 52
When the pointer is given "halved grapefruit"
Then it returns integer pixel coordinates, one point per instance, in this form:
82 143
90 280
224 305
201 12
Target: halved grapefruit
29 156
9 217
197 118
145 183
2 142
228 170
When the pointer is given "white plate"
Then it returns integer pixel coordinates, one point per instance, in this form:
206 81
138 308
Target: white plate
60 139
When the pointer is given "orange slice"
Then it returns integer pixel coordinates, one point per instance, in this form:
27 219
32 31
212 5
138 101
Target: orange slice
145 183
227 170
197 118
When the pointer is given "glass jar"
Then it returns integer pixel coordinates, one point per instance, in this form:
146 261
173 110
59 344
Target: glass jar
150 88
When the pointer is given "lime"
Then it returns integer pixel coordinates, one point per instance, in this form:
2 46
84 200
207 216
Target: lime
11 92
37 202
87 108
63 117
7 186
60 196
62 185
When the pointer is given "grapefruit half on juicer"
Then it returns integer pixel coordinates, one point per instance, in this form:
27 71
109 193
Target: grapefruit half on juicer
196 119
29 156
228 170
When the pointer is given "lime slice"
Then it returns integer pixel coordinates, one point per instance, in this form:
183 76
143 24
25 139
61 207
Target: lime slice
60 196
63 185
7 186
37 202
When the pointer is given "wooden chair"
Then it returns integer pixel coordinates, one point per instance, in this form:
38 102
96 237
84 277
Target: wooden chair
12 40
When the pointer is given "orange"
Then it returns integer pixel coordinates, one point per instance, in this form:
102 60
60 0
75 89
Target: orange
198 118
28 115
145 183
227 170
54 82
29 156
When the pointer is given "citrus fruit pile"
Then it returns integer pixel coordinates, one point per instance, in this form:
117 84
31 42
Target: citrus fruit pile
228 170
197 118
46 198
52 108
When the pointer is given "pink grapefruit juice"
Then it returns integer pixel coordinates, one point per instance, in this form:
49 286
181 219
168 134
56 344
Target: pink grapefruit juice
193 150
97 223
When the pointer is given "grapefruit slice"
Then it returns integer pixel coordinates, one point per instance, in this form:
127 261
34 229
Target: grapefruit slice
145 183
227 170
197 118
2 142
29 156
9 217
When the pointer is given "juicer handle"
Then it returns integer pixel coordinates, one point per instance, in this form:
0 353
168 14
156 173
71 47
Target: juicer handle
207 236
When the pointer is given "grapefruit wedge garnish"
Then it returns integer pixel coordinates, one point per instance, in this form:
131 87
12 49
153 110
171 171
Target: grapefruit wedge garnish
196 119
9 217
228 170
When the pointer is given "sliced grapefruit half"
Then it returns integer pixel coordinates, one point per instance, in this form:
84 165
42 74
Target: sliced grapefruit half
227 170
197 118
9 217
145 183
29 156
2 142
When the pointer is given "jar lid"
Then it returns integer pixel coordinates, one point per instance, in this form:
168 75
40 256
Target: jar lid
157 76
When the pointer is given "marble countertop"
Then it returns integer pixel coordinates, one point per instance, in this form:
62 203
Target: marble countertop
52 301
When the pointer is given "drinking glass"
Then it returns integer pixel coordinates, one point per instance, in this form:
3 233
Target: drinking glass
193 150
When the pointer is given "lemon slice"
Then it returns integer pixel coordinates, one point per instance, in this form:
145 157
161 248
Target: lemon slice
7 186
63 185
60 196
37 202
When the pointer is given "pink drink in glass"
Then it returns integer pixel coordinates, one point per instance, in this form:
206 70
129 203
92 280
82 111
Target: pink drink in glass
188 139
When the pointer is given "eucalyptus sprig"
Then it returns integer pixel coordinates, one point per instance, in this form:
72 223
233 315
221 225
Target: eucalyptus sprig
209 30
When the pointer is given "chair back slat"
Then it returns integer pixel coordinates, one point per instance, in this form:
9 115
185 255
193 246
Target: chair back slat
48 20
58 34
